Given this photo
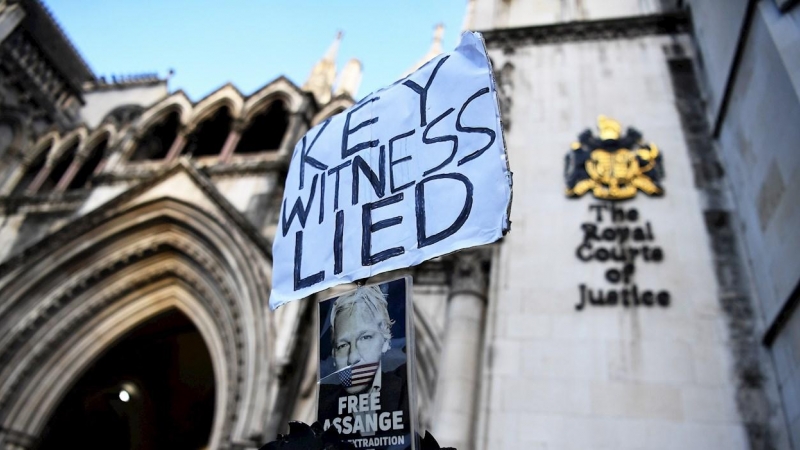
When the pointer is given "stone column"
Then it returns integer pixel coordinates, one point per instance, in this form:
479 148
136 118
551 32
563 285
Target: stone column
8 186
177 145
101 166
232 141
72 170
40 178
459 370
295 130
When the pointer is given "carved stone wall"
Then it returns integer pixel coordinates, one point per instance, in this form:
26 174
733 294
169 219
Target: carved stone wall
72 295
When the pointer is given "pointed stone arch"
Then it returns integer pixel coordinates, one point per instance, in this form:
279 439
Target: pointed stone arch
33 163
45 143
175 102
106 131
84 287
77 135
207 135
282 89
87 343
91 157
264 104
266 130
280 111
226 96
59 162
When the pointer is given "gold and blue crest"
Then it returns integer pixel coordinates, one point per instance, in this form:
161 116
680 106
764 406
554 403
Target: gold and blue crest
612 166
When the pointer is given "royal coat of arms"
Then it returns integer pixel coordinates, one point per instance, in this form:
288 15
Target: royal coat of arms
611 166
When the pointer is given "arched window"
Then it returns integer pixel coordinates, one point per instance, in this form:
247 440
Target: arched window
266 130
210 135
60 167
89 166
33 169
159 137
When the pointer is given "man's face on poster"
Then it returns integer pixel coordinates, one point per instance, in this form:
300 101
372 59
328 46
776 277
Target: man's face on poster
358 340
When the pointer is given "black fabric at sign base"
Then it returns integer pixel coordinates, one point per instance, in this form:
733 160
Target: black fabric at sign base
305 437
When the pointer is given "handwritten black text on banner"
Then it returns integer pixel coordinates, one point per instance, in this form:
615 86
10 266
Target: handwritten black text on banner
411 172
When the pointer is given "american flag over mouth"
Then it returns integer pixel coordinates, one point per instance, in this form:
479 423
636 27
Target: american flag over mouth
358 375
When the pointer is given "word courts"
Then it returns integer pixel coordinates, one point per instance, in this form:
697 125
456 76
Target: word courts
616 235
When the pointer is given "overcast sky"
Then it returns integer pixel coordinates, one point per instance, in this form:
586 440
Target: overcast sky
249 42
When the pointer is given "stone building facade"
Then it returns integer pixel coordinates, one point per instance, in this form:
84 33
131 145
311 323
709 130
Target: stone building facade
136 222
716 366
136 229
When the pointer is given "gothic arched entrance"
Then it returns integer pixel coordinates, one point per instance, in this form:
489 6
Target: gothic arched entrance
152 389
172 243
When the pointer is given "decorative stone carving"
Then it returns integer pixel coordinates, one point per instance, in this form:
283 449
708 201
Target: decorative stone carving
218 258
470 272
509 38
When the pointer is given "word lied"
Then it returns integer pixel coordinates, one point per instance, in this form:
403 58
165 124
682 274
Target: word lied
410 172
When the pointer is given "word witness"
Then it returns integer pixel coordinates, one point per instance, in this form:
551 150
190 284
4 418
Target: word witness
390 167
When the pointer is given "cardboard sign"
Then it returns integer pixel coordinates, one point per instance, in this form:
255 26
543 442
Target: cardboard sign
366 366
411 172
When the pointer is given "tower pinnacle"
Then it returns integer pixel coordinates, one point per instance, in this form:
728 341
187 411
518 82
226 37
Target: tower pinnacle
349 79
320 81
434 51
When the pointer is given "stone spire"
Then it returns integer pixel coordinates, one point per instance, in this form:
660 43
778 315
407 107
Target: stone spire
434 51
349 79
320 81
469 17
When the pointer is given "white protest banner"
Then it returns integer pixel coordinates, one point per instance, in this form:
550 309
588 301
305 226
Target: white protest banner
412 171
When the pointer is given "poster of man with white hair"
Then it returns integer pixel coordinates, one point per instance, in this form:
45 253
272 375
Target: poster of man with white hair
365 365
